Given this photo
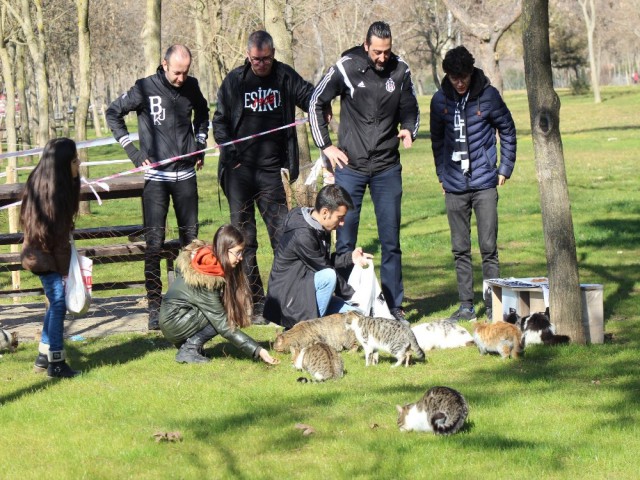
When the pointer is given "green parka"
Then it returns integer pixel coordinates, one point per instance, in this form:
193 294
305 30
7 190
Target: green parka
195 299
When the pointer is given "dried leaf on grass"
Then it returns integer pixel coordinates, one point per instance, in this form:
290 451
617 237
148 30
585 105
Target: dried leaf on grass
306 429
168 436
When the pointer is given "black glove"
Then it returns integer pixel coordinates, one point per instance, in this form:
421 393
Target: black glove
136 156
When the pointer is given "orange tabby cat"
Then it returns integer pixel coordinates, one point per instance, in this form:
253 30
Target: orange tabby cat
498 337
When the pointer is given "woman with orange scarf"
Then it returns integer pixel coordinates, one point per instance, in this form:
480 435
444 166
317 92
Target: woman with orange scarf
210 297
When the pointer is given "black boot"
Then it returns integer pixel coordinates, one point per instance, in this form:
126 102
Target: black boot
41 364
58 367
192 351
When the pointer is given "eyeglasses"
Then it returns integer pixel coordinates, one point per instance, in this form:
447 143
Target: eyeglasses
259 60
238 255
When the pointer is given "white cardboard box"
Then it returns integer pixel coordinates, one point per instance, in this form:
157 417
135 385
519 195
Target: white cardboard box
530 295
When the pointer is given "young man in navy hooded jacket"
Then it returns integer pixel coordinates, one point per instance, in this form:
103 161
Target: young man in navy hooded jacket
465 114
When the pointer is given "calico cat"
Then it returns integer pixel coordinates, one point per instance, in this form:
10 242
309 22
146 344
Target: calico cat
498 337
442 410
319 360
8 340
536 328
441 334
376 333
330 330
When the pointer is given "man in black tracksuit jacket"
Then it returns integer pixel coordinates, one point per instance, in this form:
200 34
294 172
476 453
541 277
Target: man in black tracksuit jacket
172 121
376 95
258 96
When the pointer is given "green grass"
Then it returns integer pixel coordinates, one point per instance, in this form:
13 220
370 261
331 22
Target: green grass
567 412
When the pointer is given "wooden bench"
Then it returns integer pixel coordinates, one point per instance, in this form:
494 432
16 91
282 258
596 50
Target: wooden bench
130 251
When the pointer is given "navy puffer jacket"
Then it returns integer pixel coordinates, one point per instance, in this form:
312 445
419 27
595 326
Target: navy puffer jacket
485 114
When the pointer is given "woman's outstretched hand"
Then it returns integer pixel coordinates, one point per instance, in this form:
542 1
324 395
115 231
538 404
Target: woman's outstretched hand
266 358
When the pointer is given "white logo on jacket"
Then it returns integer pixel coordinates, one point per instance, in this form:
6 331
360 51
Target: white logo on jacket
156 110
361 85
262 100
390 85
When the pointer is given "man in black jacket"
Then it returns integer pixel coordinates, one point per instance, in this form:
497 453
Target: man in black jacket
172 121
303 283
376 94
258 96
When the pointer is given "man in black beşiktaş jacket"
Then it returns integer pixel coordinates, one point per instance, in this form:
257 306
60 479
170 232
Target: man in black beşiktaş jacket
172 120
258 96
376 94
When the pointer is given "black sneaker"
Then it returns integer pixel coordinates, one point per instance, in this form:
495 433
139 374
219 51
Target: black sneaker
398 314
41 364
463 314
61 370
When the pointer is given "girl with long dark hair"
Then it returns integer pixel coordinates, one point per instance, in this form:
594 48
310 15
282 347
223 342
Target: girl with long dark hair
210 296
49 205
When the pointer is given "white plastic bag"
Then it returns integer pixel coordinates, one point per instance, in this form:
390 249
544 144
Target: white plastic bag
368 296
76 294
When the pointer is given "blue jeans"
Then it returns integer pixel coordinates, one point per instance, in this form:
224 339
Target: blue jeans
485 205
386 194
53 327
325 283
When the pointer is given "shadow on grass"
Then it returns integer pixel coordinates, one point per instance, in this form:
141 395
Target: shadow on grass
224 349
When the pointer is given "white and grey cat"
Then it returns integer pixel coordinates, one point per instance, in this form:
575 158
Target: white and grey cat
442 410
536 328
330 330
441 334
319 360
8 340
376 333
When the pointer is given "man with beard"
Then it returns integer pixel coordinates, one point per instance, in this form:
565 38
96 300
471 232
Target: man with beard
376 95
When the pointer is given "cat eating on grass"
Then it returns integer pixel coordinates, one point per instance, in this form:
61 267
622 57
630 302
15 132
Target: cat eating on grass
319 360
377 333
442 410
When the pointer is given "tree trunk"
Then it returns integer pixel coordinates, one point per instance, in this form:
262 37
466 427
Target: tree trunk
589 13
544 106
278 24
25 131
10 112
151 36
84 87
35 39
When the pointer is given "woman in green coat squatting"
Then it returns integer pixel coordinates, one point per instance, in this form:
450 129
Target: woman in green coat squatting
210 296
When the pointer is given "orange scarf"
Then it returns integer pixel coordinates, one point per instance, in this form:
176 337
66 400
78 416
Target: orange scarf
204 262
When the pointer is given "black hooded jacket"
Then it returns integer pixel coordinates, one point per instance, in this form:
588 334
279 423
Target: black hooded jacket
302 251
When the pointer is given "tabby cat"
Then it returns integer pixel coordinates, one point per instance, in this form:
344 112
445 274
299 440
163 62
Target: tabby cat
441 334
498 337
330 330
319 360
8 340
376 333
442 410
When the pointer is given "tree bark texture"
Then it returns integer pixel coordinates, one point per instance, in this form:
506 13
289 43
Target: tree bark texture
151 36
278 15
83 87
544 106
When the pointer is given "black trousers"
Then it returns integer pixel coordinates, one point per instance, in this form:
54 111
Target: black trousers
244 188
155 200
